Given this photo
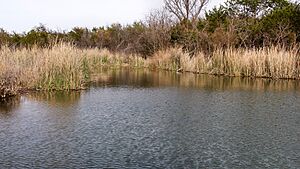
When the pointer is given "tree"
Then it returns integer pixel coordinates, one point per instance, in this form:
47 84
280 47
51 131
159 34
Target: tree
39 36
253 8
4 37
185 9
80 36
282 25
157 35
216 18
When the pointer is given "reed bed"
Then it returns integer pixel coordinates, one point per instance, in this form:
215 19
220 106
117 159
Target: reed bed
61 67
65 67
273 62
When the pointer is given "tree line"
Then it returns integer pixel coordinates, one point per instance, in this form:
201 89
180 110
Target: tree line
184 23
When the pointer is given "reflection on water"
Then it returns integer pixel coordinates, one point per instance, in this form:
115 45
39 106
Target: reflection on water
9 104
148 78
61 98
144 119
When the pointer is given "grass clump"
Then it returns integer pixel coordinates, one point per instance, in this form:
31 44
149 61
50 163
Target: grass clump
65 67
274 62
61 67
8 85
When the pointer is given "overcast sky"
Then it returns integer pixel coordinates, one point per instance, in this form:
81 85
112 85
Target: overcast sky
22 15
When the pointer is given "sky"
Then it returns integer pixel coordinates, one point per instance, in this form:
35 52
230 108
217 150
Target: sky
22 15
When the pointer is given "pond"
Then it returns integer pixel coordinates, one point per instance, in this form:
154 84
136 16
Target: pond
155 119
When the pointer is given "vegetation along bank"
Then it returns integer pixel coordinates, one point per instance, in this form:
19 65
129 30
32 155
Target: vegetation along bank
238 38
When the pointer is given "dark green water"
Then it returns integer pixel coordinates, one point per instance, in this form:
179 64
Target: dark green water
143 119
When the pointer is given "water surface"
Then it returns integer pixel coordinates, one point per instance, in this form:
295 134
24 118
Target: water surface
145 119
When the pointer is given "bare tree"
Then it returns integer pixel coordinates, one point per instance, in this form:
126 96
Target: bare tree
185 9
157 34
158 19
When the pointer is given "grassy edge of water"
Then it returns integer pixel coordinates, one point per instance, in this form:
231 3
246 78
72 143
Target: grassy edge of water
65 67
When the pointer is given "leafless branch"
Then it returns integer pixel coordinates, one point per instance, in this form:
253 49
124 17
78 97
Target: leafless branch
185 9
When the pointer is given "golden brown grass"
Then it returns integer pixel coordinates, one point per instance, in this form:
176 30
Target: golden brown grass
273 62
62 67
65 67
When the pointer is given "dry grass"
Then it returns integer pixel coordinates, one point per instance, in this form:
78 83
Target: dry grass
8 85
273 62
64 67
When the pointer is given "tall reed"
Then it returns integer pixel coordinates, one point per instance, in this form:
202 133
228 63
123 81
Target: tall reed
65 67
61 67
274 62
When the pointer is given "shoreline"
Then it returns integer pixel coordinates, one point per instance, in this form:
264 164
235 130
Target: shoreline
22 91
65 67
